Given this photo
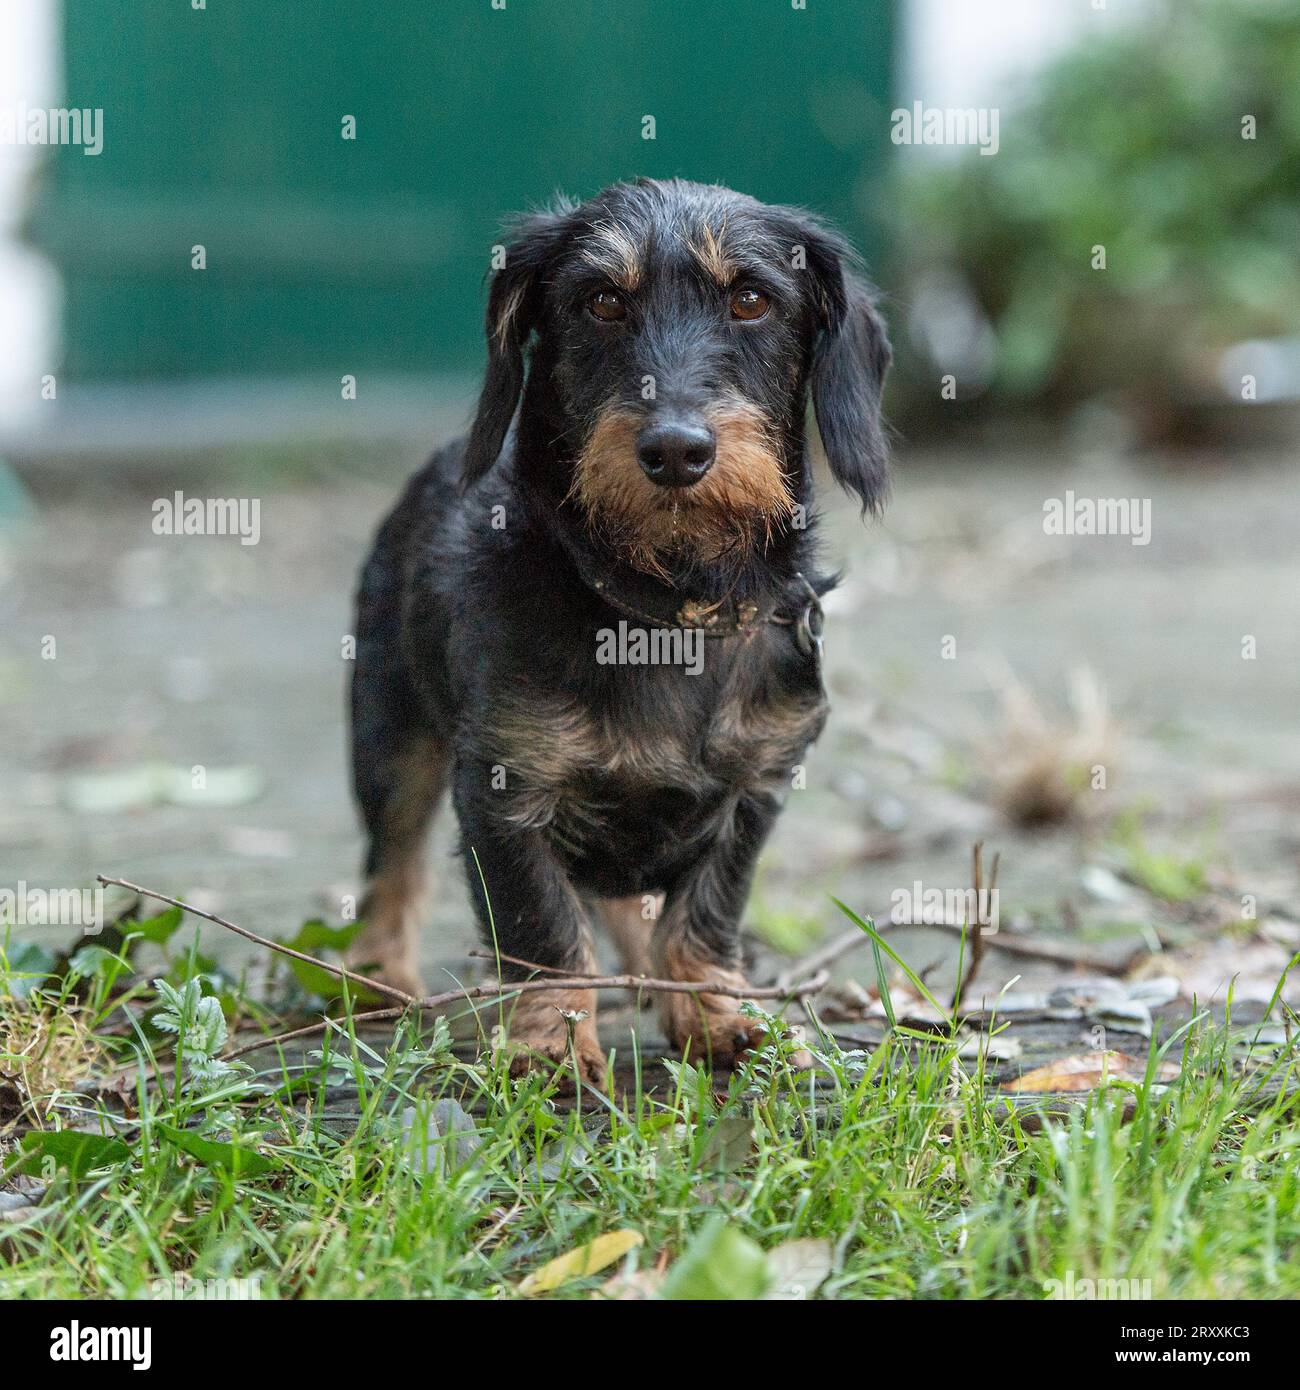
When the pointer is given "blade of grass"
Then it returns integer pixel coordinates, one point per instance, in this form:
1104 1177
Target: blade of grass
879 943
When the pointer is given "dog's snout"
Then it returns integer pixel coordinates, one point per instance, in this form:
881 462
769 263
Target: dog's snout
676 453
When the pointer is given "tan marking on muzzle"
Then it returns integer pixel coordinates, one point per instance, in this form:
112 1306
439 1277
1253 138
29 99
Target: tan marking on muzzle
741 499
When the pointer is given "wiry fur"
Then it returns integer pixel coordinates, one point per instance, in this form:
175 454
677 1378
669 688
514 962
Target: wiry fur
580 786
737 503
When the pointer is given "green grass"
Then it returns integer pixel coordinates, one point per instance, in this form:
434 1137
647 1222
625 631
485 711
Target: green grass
1174 877
907 1170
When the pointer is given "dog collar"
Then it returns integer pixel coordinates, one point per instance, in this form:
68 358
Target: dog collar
809 624
640 597
725 618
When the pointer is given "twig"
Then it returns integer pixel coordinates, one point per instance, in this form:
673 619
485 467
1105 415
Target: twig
490 990
495 989
826 956
479 954
782 989
849 941
259 1043
390 990
976 928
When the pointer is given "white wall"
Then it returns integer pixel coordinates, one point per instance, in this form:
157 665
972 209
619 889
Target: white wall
964 53
29 294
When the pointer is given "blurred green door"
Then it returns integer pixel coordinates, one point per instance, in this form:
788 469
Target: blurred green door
224 128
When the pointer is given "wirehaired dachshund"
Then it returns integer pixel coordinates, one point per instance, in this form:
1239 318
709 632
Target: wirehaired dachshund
637 468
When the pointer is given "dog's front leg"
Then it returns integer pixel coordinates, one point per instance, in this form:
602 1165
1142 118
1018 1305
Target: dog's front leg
528 909
698 938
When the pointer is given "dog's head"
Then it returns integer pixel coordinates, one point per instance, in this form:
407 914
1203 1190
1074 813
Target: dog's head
676 332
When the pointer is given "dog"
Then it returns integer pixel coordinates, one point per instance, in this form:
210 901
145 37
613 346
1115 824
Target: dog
637 465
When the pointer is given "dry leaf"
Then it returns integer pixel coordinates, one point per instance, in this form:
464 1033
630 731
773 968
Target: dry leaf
729 1143
586 1259
798 1268
1086 1073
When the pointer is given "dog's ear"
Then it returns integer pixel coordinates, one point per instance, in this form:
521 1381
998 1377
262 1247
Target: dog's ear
514 303
850 358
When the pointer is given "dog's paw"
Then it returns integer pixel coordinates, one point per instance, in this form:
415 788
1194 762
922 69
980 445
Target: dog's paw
713 1031
538 1037
721 1039
553 1056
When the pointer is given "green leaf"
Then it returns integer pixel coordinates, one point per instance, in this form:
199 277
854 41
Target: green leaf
97 963
315 934
70 1149
882 985
161 928
312 938
194 965
235 1159
26 966
719 1263
729 1143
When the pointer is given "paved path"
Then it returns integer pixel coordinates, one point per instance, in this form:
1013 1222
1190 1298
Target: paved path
201 651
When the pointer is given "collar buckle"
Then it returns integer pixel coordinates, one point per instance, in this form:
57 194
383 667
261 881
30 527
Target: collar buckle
810 624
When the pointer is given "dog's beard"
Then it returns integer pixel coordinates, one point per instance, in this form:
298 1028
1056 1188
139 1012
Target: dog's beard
737 505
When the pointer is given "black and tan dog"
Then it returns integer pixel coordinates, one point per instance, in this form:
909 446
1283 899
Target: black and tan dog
638 459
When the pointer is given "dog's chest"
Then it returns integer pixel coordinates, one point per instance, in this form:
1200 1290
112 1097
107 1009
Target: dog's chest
583 773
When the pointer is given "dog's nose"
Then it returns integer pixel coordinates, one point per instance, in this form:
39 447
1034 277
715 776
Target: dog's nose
675 453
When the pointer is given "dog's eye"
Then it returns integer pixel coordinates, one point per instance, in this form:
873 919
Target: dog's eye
749 305
607 306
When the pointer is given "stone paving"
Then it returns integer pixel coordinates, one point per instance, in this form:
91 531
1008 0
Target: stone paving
175 652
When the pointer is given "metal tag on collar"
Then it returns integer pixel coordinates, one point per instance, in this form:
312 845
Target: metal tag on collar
809 625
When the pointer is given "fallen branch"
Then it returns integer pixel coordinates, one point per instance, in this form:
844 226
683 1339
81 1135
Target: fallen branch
810 985
390 990
466 993
507 989
1048 951
307 1031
